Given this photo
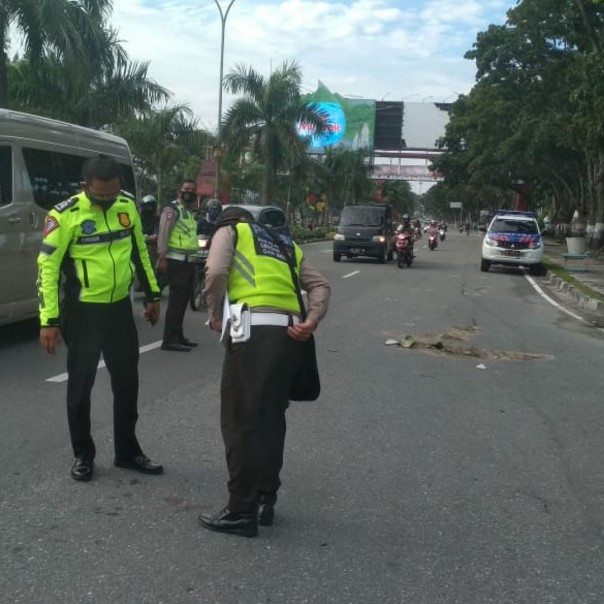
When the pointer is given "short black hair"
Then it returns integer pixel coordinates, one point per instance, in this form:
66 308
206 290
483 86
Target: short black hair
102 168
190 181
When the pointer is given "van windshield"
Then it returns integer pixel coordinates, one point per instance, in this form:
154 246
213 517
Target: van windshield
360 216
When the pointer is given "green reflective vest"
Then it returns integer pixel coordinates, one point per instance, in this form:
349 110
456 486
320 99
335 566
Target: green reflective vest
96 250
183 237
260 275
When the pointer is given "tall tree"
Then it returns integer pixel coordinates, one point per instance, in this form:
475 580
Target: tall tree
61 26
161 141
265 117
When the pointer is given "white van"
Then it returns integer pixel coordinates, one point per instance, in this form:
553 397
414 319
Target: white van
40 165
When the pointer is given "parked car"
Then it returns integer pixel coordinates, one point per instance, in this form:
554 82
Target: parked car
513 239
272 217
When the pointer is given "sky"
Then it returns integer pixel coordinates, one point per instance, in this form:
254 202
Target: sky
396 50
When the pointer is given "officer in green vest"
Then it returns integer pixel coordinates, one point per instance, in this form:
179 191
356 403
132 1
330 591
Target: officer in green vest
252 266
95 241
177 251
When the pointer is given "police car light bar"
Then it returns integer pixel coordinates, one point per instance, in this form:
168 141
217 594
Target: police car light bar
516 213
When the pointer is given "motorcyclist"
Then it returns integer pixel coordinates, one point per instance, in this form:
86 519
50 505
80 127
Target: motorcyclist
207 225
149 218
150 226
405 226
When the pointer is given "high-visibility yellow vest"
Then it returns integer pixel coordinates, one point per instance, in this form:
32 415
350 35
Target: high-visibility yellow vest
259 273
183 237
97 251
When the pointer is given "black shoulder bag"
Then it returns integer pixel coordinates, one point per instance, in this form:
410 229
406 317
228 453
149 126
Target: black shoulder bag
306 385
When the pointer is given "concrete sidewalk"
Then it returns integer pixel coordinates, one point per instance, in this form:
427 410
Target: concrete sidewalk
591 275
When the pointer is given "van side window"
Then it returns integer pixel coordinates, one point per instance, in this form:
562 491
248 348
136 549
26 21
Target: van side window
6 176
53 176
128 183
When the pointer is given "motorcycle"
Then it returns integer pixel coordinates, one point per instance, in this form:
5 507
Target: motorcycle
403 246
441 234
199 278
433 240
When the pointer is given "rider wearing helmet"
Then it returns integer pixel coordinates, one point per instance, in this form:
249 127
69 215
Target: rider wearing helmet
207 225
149 218
405 226
150 226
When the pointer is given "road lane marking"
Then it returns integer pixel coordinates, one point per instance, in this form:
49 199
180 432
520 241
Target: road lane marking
552 301
62 377
351 274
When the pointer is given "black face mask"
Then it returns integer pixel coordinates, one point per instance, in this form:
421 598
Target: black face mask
105 204
188 197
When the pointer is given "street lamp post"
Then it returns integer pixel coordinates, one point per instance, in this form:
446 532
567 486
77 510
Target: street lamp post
223 18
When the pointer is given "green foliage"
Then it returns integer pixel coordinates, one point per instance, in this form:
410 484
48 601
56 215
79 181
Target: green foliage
534 121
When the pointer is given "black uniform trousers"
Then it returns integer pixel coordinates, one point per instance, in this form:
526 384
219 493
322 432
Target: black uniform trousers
180 280
256 380
88 330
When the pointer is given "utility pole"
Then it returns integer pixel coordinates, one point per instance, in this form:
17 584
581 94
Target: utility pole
217 151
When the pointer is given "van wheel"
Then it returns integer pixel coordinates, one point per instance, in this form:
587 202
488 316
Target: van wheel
485 265
382 257
390 255
337 257
537 269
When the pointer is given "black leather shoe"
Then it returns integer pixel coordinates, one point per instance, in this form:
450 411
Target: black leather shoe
175 346
82 469
244 524
266 509
187 342
140 463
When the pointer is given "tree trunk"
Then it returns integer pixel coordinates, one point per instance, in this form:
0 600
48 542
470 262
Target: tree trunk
3 70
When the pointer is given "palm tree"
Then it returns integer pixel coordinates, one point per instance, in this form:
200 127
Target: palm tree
62 26
265 118
160 141
97 91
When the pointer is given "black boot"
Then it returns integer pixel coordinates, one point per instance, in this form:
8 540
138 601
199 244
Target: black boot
233 523
266 509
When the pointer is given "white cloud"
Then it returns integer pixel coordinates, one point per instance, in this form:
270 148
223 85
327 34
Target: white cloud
367 48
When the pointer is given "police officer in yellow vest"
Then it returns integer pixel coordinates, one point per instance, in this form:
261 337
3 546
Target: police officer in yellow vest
95 240
246 263
177 251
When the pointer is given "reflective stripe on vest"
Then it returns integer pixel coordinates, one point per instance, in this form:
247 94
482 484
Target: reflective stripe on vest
183 237
259 275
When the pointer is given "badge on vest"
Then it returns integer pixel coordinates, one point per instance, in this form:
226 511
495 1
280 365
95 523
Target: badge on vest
124 219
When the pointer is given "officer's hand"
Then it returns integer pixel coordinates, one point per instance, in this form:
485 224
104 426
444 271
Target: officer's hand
151 238
162 266
215 324
302 331
151 313
50 338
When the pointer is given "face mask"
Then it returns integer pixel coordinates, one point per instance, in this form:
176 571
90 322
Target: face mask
105 204
188 197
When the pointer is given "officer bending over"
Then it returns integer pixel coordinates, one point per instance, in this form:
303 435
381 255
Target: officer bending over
257 374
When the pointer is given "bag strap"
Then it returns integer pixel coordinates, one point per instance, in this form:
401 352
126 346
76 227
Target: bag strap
292 270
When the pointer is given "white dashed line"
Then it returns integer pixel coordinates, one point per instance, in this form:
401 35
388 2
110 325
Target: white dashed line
62 377
351 274
552 301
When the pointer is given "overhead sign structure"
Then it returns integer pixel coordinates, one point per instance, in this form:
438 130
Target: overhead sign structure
349 123
455 205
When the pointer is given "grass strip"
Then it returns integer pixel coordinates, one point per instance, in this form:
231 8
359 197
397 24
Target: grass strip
559 271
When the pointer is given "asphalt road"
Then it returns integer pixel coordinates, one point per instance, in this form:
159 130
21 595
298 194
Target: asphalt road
469 474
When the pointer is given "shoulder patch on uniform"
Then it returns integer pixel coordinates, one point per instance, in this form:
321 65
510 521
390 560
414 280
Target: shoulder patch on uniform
50 224
128 195
124 219
64 205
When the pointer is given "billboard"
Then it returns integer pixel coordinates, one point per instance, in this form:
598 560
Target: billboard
349 123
